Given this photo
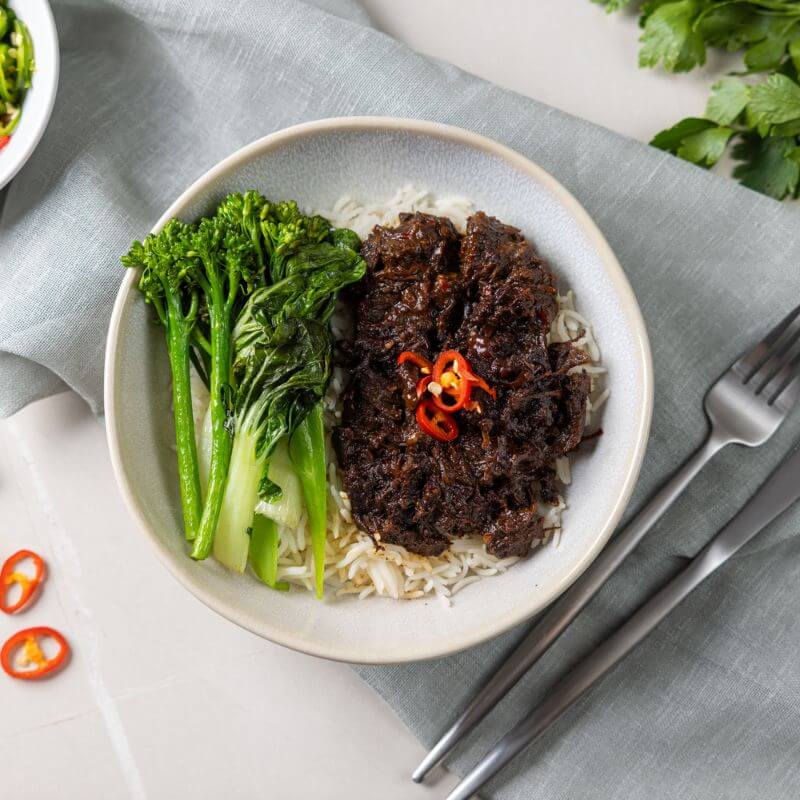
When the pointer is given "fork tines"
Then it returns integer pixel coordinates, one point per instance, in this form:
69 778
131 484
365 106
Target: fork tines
773 365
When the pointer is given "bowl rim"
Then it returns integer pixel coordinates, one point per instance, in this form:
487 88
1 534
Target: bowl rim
533 603
49 84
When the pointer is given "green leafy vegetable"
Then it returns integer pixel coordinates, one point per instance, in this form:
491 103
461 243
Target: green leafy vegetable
728 99
670 37
246 296
16 68
760 118
773 102
768 165
281 360
284 377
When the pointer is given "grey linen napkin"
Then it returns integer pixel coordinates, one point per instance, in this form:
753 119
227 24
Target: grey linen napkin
155 92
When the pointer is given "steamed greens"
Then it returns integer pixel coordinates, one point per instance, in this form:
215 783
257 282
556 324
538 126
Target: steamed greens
16 69
282 354
169 285
246 296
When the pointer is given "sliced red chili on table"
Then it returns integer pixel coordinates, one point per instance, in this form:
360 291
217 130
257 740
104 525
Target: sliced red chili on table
407 356
435 422
10 575
22 655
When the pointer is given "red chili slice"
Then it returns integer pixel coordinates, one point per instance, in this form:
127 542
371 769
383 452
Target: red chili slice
435 422
28 640
454 374
424 365
4 140
28 583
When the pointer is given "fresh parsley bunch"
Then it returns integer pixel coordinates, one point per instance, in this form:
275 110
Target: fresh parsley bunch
759 120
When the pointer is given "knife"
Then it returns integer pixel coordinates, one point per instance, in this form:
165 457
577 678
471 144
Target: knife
775 496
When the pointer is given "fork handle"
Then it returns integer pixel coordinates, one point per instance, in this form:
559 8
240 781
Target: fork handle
777 494
553 622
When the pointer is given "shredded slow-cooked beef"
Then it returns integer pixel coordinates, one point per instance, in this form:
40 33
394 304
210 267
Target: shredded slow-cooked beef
489 295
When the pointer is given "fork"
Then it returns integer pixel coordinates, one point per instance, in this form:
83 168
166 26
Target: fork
745 406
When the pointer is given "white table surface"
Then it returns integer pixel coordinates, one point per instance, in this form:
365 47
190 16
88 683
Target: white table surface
163 698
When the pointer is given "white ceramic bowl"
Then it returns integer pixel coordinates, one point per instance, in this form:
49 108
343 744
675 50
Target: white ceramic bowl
39 100
369 158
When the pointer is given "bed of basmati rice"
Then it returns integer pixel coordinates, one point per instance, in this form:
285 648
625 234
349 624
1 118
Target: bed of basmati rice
353 564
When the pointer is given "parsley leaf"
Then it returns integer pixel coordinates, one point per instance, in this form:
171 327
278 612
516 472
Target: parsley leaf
762 120
670 37
728 99
768 165
700 141
672 138
775 101
706 148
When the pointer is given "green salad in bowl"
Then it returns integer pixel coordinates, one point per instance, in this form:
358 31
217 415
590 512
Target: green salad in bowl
16 69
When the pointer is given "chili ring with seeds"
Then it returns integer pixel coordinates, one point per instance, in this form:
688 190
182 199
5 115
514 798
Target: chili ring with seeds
29 584
23 649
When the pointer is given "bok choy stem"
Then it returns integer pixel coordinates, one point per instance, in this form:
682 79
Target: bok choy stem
264 543
307 449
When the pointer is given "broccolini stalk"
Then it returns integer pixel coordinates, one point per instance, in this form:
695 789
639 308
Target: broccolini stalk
168 283
226 267
237 213
284 376
307 449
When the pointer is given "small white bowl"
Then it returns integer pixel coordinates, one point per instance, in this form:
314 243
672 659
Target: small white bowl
369 157
38 104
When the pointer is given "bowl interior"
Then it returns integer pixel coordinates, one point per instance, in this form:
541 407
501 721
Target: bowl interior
39 100
370 159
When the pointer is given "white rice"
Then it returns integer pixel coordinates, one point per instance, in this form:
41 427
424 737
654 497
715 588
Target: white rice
353 564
